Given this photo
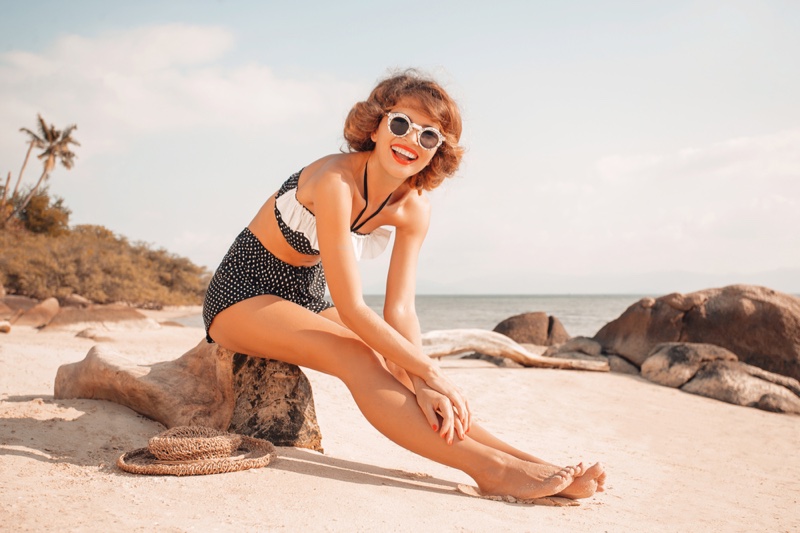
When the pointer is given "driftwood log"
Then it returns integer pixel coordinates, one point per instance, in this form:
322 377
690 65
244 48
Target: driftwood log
212 386
456 341
206 386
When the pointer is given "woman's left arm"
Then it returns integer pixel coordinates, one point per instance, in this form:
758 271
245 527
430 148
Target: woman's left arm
399 310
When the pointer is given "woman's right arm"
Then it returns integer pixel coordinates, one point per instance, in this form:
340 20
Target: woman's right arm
332 212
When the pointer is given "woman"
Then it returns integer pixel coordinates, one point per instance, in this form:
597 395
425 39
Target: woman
267 297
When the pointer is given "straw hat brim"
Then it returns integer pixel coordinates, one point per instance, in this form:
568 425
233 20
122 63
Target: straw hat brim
251 453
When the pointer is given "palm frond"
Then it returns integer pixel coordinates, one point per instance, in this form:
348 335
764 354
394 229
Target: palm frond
37 141
42 127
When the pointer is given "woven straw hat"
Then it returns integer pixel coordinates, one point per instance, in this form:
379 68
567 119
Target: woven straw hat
197 450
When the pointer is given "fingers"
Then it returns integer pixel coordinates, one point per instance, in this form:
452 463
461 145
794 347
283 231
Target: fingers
462 434
430 416
448 421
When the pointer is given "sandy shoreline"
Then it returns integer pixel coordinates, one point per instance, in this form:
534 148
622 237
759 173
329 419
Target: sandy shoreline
676 462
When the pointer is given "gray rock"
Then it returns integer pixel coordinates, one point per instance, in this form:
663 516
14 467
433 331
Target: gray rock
620 365
674 363
583 345
742 384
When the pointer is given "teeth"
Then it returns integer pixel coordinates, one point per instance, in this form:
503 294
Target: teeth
404 152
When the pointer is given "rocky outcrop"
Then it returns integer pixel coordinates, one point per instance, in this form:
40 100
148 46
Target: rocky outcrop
113 316
761 326
77 314
533 328
268 399
714 372
39 315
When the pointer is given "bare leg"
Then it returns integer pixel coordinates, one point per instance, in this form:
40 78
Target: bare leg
268 326
584 485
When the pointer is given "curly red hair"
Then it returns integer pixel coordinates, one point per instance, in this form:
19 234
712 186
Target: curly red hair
364 118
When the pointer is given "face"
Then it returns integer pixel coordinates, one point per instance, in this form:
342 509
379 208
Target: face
402 148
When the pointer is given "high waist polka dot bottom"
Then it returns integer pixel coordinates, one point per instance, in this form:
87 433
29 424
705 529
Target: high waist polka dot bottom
249 270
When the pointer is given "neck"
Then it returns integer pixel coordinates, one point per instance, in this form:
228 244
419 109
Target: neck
381 183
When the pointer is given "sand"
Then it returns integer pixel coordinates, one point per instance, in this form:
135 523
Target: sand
676 462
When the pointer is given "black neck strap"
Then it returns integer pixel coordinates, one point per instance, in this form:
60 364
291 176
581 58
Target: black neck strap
356 226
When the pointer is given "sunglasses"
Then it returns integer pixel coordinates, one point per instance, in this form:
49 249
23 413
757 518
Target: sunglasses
400 126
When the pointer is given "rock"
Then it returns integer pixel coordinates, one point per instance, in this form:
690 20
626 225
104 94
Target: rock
274 401
742 384
94 334
5 326
621 365
268 399
761 326
502 362
583 345
76 300
674 363
533 328
104 317
12 306
39 315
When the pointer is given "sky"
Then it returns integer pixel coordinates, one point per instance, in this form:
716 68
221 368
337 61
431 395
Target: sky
631 147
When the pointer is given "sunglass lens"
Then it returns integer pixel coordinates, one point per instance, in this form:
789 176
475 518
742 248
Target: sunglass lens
399 126
428 139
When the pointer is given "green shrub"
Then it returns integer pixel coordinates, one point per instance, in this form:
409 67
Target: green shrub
95 263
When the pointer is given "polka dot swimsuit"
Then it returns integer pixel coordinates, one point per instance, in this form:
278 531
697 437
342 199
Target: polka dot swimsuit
249 270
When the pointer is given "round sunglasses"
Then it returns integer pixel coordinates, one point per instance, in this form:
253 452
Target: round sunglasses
400 126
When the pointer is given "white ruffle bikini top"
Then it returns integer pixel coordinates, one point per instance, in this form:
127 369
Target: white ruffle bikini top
299 225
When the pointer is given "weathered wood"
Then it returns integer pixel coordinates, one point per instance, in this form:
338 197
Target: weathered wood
442 343
207 386
195 389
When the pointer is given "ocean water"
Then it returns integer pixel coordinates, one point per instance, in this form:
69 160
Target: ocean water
580 314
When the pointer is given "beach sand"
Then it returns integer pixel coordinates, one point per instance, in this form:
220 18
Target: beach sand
676 462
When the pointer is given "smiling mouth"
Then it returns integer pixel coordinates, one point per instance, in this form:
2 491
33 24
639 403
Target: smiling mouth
404 154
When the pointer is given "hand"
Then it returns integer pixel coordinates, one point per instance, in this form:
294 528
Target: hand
451 405
438 409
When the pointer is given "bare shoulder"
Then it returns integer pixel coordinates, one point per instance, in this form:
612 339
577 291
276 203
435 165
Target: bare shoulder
414 212
332 174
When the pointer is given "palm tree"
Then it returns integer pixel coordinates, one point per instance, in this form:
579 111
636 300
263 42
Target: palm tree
56 148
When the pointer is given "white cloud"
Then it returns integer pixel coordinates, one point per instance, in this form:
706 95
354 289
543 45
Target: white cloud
732 204
135 82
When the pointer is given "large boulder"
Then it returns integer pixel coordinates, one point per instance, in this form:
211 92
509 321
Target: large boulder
760 325
533 328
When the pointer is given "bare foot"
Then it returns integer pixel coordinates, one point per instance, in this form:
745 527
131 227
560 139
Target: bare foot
525 481
585 485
